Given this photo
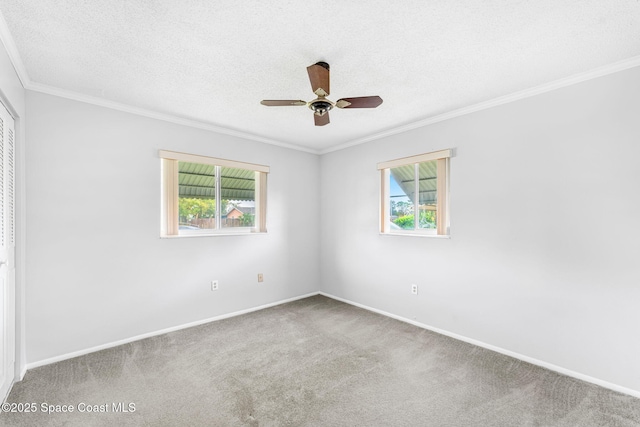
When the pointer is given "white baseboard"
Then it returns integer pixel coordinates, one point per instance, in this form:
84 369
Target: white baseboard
550 366
160 332
4 398
23 370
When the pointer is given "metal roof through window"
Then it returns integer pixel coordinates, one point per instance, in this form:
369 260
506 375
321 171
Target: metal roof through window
198 180
427 179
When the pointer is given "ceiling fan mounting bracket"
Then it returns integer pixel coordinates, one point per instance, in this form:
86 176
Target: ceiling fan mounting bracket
320 106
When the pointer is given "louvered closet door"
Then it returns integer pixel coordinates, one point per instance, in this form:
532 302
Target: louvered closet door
7 251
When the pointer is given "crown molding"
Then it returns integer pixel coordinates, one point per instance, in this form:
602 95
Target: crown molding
20 69
547 87
23 76
50 90
526 93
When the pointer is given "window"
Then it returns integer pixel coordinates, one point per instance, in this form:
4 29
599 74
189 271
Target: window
207 196
414 196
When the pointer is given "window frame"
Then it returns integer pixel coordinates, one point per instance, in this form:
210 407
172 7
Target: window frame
170 194
442 207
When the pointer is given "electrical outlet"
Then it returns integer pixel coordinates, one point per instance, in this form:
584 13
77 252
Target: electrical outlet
260 278
214 285
414 289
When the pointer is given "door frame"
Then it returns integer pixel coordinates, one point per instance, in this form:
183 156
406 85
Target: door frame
18 257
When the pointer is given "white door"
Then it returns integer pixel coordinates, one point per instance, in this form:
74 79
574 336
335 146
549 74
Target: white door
7 251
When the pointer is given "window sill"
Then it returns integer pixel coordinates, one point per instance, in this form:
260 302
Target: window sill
180 236
432 236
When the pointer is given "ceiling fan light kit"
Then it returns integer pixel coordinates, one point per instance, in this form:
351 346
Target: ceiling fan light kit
319 78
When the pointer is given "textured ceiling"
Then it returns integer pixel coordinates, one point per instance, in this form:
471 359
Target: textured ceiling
213 61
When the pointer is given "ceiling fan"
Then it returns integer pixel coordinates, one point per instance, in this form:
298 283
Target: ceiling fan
319 77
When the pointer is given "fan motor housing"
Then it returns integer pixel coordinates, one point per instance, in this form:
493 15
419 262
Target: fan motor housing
320 106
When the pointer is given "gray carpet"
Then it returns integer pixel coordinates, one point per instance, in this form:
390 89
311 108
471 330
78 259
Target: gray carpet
313 362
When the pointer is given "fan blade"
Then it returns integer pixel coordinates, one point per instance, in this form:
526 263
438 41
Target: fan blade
321 120
319 77
359 102
282 102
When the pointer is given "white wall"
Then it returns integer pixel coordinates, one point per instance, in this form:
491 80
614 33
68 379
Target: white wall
98 271
544 253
